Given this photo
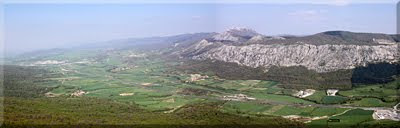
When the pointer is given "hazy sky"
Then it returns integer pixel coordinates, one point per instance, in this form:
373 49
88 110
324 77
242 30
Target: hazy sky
37 26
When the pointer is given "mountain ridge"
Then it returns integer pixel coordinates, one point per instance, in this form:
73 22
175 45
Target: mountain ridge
322 52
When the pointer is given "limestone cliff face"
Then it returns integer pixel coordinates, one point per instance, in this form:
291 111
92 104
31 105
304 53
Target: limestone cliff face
323 52
321 58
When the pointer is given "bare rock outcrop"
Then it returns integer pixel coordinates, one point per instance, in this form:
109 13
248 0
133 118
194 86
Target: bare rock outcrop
321 58
323 52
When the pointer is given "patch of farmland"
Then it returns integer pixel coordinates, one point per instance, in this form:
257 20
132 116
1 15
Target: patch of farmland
350 118
372 102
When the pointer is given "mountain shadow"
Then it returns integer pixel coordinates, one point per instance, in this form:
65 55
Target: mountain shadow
298 77
375 73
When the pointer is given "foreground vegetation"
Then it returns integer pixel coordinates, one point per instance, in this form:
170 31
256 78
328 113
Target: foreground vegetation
26 104
99 112
143 89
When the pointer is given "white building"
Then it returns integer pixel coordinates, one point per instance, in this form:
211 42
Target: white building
331 92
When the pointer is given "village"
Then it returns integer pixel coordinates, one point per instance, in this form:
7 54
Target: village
387 114
238 97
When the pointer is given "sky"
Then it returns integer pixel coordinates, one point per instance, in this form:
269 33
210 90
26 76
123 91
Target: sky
30 25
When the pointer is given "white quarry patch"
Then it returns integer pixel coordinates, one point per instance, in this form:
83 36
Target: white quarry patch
331 92
298 118
48 62
238 97
291 116
79 93
304 93
50 94
146 84
196 77
126 94
386 115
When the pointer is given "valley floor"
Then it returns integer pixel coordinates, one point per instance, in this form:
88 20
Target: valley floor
135 87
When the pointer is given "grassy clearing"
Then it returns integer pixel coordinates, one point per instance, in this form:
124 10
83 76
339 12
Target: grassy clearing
289 110
372 102
383 95
238 107
317 96
326 111
278 98
381 123
254 108
373 90
350 118
333 99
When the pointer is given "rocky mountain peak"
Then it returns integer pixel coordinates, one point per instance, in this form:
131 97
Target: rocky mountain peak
236 34
241 31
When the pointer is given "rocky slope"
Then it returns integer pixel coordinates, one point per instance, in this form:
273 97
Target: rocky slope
339 50
236 34
322 58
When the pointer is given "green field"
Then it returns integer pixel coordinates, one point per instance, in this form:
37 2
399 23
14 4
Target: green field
121 85
317 96
372 102
333 99
352 117
373 90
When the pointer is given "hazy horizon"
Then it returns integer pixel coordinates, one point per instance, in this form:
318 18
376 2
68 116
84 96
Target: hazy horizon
200 63
45 26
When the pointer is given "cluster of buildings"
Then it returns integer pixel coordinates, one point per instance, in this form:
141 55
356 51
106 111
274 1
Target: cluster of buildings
305 93
238 97
386 115
309 92
119 69
331 92
126 94
79 93
196 77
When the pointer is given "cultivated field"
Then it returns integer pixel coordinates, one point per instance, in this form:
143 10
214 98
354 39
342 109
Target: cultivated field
133 80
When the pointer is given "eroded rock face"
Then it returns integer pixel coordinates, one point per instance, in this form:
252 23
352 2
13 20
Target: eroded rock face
321 58
322 52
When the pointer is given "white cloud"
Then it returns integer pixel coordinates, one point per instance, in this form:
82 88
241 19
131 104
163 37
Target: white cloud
324 2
